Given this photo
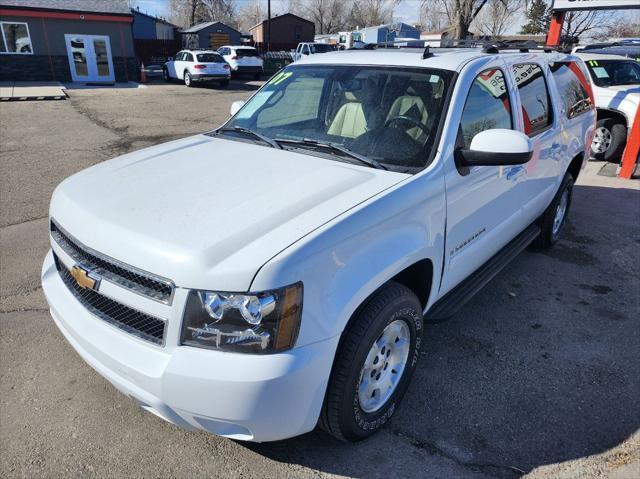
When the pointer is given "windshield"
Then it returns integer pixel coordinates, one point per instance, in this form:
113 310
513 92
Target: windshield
246 52
321 48
614 72
388 114
209 58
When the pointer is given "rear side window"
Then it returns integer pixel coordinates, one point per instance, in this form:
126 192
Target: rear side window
573 87
534 96
188 57
487 105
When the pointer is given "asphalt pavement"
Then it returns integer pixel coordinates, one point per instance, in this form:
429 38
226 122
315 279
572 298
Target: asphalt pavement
537 376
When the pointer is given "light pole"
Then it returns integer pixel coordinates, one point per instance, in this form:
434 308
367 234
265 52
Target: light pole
268 25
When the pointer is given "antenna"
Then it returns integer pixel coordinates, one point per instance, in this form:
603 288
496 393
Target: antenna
426 54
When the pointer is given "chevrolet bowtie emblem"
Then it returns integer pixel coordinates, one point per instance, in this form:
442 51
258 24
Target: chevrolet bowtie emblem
83 278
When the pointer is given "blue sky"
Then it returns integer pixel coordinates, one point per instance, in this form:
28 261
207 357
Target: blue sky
407 11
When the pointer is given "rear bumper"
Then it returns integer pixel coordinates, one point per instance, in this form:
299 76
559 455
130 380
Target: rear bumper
240 396
241 69
210 77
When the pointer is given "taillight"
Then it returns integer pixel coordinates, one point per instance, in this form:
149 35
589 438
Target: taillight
199 67
226 67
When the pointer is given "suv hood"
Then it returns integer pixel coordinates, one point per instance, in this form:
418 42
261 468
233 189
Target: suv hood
624 98
207 212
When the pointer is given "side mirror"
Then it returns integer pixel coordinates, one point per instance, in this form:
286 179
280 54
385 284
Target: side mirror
235 107
496 147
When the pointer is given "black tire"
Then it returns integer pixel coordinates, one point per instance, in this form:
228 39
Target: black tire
224 83
257 76
165 75
187 79
342 414
614 139
549 231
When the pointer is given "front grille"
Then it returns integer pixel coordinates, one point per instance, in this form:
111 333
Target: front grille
128 319
138 281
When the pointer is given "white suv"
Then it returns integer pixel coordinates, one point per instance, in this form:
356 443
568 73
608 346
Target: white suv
275 273
616 88
197 66
243 60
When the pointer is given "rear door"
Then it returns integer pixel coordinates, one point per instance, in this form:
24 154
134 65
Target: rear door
539 178
483 202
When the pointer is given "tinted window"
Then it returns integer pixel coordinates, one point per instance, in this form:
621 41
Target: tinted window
188 57
15 38
614 72
534 96
209 58
246 52
487 105
572 86
390 114
321 48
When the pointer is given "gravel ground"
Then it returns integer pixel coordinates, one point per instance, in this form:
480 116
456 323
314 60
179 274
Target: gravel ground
537 376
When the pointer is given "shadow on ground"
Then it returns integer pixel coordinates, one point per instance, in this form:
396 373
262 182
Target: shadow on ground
541 367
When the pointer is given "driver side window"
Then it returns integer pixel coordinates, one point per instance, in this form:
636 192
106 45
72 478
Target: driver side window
487 106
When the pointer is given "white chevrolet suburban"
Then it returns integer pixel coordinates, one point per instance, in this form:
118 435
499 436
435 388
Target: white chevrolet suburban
274 274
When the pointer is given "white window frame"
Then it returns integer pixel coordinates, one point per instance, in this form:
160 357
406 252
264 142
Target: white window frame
5 40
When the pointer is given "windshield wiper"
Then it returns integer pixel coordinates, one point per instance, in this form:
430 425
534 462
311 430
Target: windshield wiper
241 129
336 148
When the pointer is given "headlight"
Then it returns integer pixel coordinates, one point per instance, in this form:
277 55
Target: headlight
258 323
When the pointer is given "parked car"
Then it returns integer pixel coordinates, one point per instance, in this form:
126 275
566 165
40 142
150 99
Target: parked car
197 66
275 273
243 60
310 48
616 88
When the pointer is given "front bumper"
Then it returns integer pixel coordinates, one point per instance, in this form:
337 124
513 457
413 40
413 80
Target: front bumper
240 396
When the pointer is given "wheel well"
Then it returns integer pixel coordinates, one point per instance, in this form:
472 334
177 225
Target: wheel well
615 115
417 278
575 166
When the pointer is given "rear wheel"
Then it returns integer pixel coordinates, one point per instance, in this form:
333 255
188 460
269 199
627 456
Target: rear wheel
165 74
374 364
224 83
609 140
187 79
553 219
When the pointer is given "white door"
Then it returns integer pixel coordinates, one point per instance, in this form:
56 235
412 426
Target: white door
90 58
483 202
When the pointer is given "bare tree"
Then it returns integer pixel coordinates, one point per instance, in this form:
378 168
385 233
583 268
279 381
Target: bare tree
590 21
328 15
367 13
495 17
433 20
186 13
251 14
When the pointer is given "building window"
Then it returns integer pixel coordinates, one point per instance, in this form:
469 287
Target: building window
15 38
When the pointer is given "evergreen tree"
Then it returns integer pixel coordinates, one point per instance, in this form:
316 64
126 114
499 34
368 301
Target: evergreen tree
539 17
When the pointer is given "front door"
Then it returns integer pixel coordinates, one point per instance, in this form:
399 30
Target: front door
90 58
483 202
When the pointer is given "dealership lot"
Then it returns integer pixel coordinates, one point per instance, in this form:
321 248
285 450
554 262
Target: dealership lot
538 374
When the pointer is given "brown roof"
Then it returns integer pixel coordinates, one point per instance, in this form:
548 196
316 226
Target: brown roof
279 17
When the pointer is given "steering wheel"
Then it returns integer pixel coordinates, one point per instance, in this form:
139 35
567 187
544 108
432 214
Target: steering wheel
408 119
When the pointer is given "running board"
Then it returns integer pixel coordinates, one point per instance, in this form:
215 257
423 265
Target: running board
451 302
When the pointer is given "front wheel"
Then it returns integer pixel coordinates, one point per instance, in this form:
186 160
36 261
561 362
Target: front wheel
187 79
609 140
374 364
553 219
